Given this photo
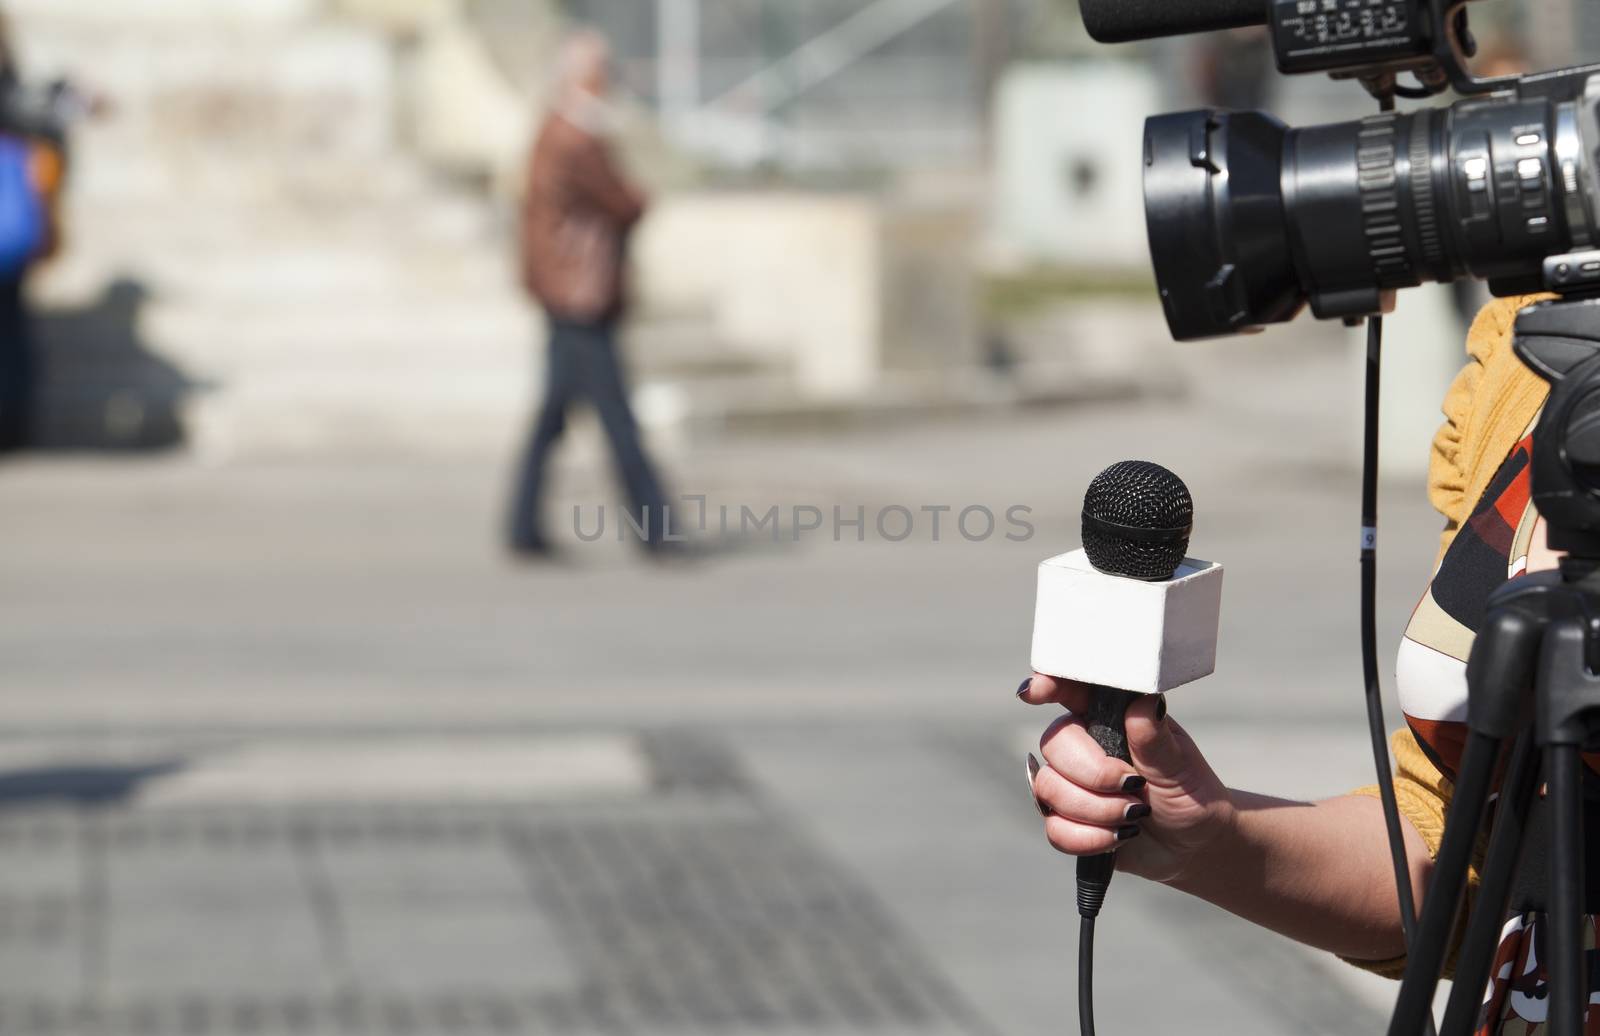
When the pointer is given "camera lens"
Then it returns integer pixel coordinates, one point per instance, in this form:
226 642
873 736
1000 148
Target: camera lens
1249 221
1218 233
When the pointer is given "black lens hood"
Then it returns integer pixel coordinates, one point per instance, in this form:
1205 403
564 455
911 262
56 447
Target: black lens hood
1219 237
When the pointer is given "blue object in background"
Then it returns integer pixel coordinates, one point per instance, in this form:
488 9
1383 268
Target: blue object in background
22 217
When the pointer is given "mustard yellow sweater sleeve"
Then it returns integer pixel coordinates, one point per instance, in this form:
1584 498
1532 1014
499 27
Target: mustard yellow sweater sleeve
1488 408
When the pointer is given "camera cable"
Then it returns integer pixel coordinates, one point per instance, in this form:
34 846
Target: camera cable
1369 635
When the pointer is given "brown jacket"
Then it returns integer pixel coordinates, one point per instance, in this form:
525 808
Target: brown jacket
576 215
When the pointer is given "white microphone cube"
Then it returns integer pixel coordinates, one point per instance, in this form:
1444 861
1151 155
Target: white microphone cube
1126 633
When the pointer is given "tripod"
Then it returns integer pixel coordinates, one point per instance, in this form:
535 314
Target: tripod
1533 702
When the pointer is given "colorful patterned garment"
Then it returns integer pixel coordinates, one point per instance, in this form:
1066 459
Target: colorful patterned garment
1431 669
1491 546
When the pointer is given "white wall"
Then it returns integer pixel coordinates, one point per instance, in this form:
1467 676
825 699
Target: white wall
834 286
1067 179
784 274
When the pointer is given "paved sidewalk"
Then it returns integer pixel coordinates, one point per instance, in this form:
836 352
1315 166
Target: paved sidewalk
687 909
737 887
294 749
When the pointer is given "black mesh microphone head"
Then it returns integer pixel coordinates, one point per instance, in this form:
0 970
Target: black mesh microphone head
1136 521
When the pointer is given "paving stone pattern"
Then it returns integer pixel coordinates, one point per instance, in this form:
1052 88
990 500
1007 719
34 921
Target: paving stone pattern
687 911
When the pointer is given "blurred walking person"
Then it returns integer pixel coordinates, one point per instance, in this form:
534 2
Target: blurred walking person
577 214
33 128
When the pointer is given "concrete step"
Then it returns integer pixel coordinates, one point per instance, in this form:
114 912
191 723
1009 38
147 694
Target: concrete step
239 256
360 334
758 405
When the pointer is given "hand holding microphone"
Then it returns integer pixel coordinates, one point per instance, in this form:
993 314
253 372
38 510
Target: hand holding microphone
1118 623
1176 808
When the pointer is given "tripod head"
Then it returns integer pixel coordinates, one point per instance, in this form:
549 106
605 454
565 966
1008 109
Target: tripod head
1559 340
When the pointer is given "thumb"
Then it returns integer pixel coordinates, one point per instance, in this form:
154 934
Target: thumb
1157 753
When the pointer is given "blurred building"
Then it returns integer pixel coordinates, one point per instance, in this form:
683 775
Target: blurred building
816 82
316 196
301 257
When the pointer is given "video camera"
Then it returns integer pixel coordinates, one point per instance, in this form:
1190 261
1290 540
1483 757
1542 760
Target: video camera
1249 219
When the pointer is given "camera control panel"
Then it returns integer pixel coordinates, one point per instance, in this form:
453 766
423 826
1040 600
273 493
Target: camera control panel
1319 35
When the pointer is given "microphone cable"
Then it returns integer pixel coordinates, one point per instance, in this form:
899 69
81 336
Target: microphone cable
1094 878
1086 976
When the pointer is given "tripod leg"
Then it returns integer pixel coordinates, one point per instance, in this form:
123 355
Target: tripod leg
1569 985
1499 870
1414 1009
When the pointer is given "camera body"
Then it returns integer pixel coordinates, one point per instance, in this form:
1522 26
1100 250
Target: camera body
1249 220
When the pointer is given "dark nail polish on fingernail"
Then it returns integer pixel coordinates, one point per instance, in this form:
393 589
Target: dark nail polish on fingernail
1033 775
1136 811
1127 831
1024 688
1161 707
1132 783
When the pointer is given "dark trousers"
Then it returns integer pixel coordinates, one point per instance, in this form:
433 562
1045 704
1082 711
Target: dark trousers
16 366
583 365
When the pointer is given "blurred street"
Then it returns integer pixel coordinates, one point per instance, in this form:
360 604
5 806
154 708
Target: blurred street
292 748
300 734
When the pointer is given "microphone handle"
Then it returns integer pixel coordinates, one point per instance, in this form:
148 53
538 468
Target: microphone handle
1106 714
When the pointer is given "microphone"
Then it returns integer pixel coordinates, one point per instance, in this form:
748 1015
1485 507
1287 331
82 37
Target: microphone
1129 611
1127 614
1121 21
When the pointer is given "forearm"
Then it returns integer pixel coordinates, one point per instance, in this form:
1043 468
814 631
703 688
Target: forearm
1319 873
